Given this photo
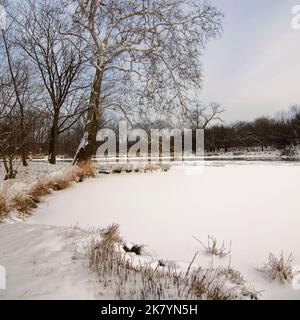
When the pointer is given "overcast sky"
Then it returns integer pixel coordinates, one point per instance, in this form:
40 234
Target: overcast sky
254 69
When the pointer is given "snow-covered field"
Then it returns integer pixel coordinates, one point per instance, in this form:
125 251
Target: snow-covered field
253 205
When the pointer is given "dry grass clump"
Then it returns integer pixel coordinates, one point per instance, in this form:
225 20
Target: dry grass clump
61 183
133 167
165 167
117 271
209 290
232 275
86 170
154 167
40 189
214 249
222 284
138 168
4 208
78 173
24 203
65 180
102 253
280 269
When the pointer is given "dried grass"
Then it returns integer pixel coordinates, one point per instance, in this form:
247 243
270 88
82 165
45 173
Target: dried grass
136 167
40 189
117 271
280 269
214 249
62 182
24 203
4 208
232 275
86 170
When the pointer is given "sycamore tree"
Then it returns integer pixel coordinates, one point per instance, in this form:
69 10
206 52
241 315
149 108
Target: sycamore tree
145 55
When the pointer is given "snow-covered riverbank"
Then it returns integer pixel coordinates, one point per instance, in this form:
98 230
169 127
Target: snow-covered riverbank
255 206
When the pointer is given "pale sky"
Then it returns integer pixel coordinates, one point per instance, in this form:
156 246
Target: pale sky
254 69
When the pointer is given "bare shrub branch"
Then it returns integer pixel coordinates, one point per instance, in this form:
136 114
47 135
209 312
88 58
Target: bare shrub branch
213 248
279 269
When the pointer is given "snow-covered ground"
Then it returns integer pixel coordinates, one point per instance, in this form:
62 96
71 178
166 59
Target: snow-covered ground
252 155
28 175
44 262
253 205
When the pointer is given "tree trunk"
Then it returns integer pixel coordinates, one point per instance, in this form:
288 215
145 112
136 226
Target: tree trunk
10 172
23 137
53 140
23 156
88 145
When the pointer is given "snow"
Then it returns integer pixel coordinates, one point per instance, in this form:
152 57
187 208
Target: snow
28 175
255 206
42 262
252 155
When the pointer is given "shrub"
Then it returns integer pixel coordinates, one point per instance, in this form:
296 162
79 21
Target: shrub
214 249
279 269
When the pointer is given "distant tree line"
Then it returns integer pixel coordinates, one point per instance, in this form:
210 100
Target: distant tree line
278 133
281 133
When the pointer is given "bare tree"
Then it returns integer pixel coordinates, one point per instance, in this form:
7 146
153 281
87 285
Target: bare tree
201 116
20 81
41 34
150 47
7 107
